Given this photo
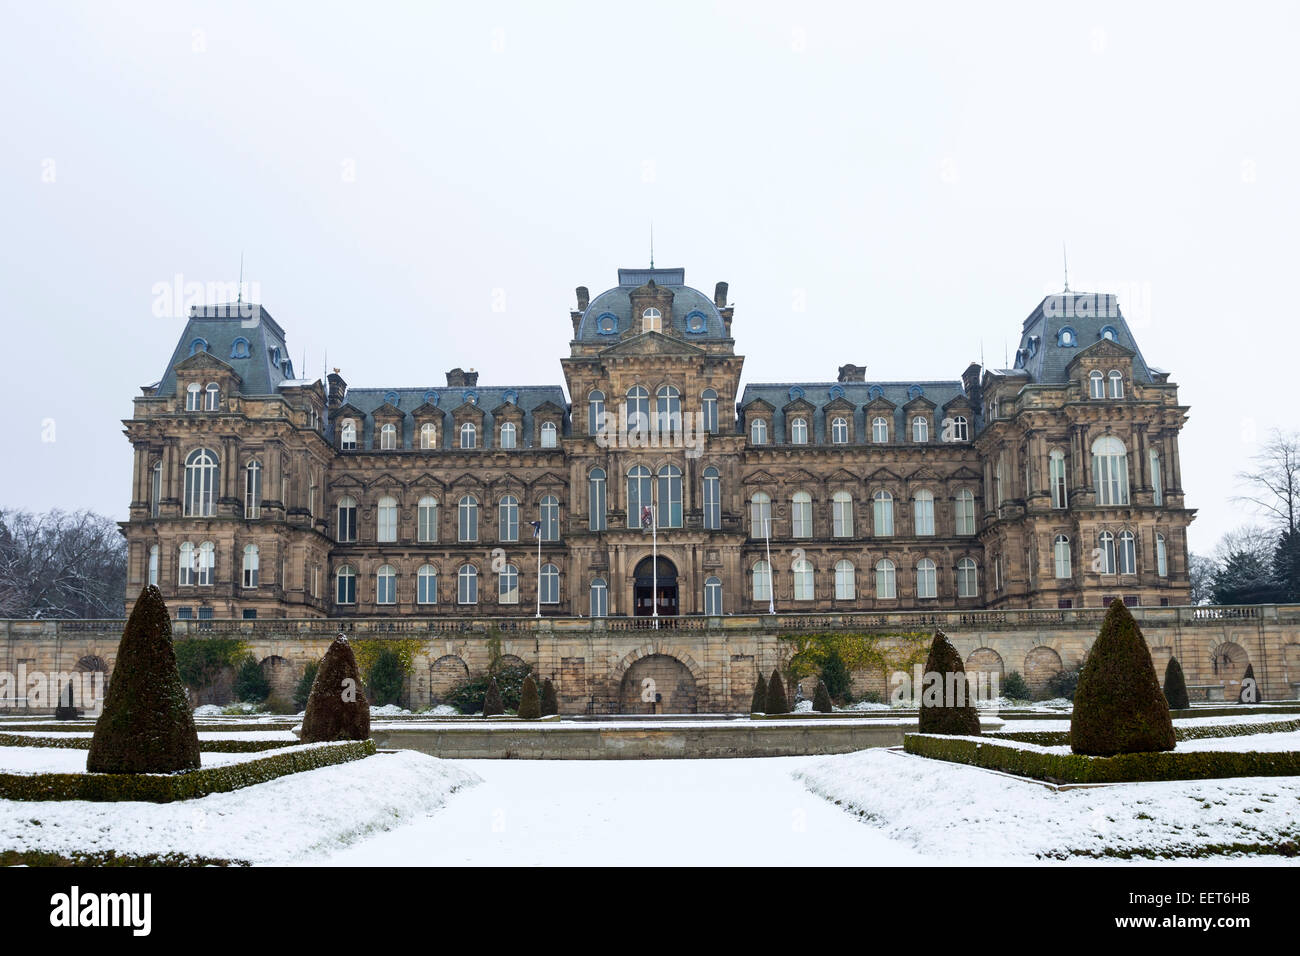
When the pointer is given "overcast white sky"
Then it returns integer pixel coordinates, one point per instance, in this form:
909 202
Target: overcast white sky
905 173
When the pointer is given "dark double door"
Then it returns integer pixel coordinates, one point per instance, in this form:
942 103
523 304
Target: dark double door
645 584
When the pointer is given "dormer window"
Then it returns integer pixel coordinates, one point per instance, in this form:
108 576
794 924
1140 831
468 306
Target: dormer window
468 435
758 432
1096 385
1109 334
920 429
392 398
652 320
239 348
607 324
549 433
799 431
696 322
212 397
1066 338
1116 384
193 397
198 345
428 436
348 435
388 437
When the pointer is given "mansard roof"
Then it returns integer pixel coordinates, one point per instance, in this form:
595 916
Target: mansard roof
822 395
241 335
1045 353
616 302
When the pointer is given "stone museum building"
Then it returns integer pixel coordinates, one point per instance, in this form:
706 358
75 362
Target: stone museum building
652 480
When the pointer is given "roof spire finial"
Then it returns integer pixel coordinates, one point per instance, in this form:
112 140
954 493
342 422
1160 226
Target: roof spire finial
239 298
1066 263
652 243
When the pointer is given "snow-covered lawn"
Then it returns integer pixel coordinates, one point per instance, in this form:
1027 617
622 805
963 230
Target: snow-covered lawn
1257 743
285 735
1064 724
65 760
289 818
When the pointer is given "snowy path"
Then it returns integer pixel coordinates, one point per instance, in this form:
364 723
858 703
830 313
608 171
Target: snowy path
633 813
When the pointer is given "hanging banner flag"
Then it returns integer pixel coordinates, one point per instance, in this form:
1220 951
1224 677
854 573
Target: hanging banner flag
647 517
537 529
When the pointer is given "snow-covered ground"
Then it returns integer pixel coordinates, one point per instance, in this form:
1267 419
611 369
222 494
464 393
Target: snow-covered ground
67 760
285 735
1064 724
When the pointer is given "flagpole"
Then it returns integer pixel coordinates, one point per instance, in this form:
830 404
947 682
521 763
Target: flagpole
771 578
654 560
539 572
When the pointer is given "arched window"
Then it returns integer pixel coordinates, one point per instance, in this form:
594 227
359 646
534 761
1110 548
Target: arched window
842 514
595 412
920 429
212 397
508 432
1106 553
596 499
198 345
250 566
207 563
758 432
923 513
1157 480
253 490
846 587
346 585
549 515
964 512
670 497
882 514
709 407
668 410
187 568
1057 479
388 437
508 518
801 515
879 430
640 493
799 431
386 519
801 570
153 565
1110 471
713 596
652 320
468 435
550 584
549 434
155 489
508 585
1096 384
426 585
1061 556
839 431
926 584
712 499
1162 557
467 584
637 409
386 585
193 397
599 598
967 578
959 429
999 481
348 435
428 436
347 523
426 515
1116 383
467 519
239 348
1127 553
760 515
886 587
202 478
762 578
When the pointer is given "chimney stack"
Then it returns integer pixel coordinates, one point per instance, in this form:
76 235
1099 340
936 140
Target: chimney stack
720 295
336 389
584 298
853 373
459 378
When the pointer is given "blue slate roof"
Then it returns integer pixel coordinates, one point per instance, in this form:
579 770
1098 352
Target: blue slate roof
252 343
449 398
1042 353
687 303
821 394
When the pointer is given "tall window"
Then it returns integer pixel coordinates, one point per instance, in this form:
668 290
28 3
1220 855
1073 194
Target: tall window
713 596
550 584
386 519
595 412
388 437
426 585
1110 471
467 584
253 490
886 586
845 581
549 514
250 566
758 432
346 585
193 397
712 498
640 491
652 320
1096 385
1157 480
427 520
799 431
508 435
802 572
549 434
842 514
1162 558
967 578
923 512
1061 556
347 526
201 482
1116 384
760 515
155 489
964 507
508 518
670 497
212 397
467 519
999 481
801 515
468 435
1106 552
428 436
1127 553
187 569
926 583
153 565
762 577
668 410
882 514
1056 475
207 563
508 585
637 407
599 598
960 429
348 435
596 499
709 407
839 431
386 585
920 429
879 430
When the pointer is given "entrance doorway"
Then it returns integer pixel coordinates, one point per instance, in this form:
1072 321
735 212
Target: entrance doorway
643 596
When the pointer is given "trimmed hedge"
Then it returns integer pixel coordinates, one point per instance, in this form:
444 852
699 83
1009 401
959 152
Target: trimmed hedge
1057 738
205 746
1121 768
187 785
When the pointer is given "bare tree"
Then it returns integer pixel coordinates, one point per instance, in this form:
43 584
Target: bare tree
1273 481
61 565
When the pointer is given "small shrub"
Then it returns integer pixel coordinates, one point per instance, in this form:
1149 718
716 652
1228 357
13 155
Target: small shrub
530 705
836 676
947 706
870 697
822 699
201 660
251 685
1176 686
1064 683
337 708
470 695
1249 693
550 700
776 702
492 699
1015 688
279 704
303 690
386 679
758 703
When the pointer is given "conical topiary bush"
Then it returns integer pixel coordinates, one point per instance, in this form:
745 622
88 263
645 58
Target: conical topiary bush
530 705
1118 706
550 700
758 703
1175 686
337 708
947 706
492 705
1249 693
146 725
777 702
822 699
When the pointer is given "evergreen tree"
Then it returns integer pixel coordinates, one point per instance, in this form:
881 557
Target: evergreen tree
337 708
530 705
836 676
303 689
1176 686
1014 687
550 700
251 685
822 699
947 704
1246 577
1250 692
1286 566
758 703
386 680
776 701
492 701
1119 706
146 725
